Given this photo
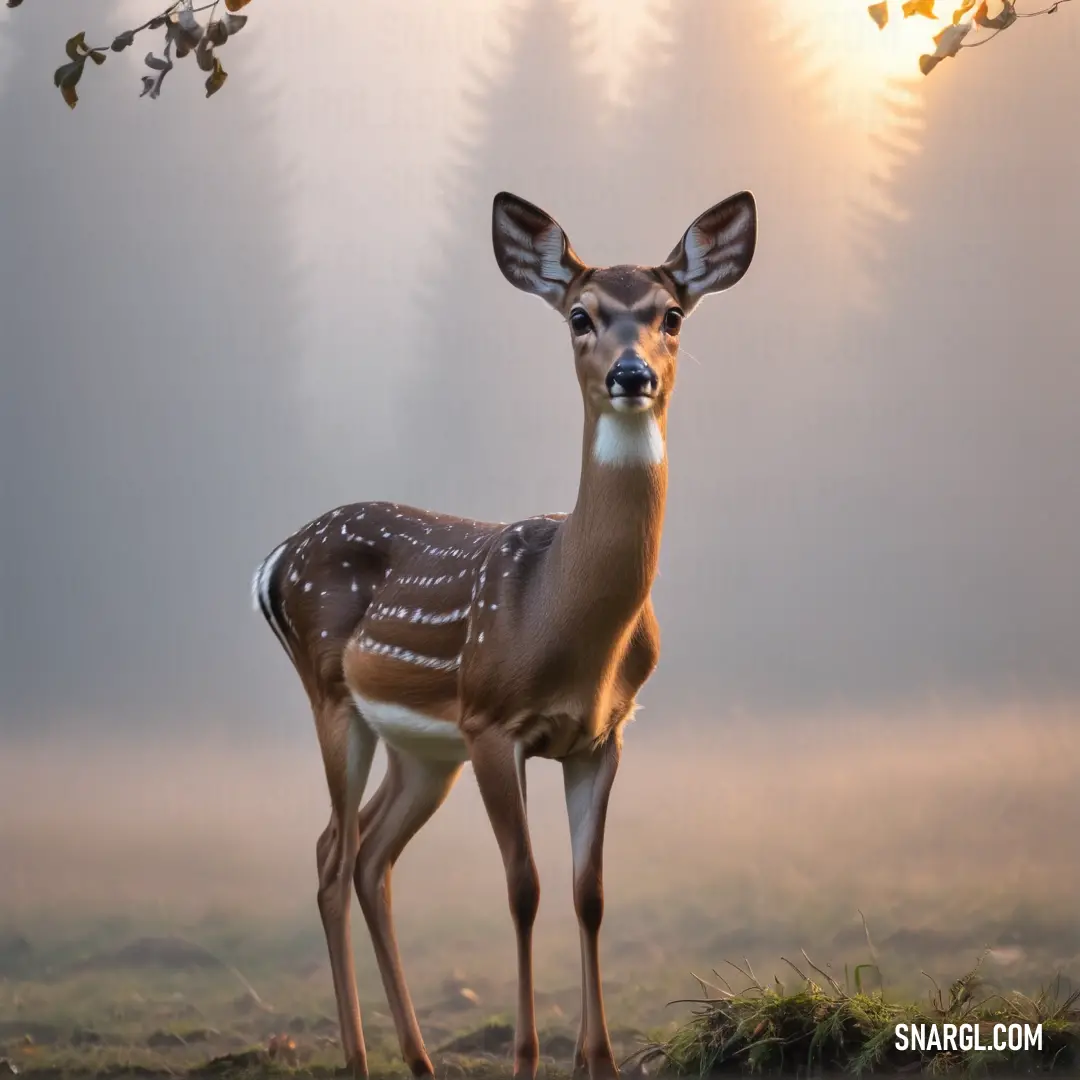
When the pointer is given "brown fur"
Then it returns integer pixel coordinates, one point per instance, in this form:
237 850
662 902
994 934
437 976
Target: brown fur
532 638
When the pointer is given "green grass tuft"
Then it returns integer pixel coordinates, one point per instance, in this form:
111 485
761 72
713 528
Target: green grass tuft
823 1027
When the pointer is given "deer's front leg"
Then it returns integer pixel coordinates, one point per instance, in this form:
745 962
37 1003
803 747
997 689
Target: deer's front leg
501 787
587 778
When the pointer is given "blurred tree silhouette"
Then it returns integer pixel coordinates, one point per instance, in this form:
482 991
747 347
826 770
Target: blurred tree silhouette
185 34
959 449
745 413
532 131
143 398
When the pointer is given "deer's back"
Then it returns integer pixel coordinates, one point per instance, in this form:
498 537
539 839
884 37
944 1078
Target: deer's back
388 577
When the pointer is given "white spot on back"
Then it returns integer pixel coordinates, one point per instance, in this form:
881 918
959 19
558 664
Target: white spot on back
396 652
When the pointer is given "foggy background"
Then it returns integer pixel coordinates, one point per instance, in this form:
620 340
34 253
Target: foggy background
219 319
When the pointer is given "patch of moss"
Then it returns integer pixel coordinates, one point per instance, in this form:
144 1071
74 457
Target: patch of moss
823 1027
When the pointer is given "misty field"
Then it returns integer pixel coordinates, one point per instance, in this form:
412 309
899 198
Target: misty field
158 905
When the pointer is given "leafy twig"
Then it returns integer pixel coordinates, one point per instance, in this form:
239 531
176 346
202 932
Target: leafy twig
183 30
950 40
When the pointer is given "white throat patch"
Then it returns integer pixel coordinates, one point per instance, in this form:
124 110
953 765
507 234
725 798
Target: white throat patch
628 439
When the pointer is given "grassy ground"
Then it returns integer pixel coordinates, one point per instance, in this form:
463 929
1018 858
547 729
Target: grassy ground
106 1004
166 1005
157 905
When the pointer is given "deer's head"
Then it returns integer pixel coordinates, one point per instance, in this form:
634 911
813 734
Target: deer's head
624 320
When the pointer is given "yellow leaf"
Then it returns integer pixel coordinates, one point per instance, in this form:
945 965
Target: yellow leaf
67 78
236 5
919 7
76 46
1001 21
68 73
880 14
962 10
216 79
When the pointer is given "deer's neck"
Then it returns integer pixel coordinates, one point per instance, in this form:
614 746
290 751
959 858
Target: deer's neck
607 550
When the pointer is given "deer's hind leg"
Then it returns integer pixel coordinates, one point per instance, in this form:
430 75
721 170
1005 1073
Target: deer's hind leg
415 787
348 746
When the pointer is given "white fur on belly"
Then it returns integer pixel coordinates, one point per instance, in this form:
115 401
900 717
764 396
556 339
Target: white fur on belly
413 732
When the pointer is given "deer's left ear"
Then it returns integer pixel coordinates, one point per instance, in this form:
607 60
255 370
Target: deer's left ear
715 251
532 250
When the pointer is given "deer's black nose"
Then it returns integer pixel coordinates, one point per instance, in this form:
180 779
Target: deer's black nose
630 376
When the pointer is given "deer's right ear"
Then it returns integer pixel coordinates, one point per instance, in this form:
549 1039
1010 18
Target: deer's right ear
532 250
716 250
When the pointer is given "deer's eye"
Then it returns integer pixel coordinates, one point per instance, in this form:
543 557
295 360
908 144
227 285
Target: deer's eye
673 321
580 323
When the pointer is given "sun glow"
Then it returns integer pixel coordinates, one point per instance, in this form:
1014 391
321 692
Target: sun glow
859 61
868 78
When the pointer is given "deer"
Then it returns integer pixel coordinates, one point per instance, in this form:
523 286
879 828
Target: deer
454 641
